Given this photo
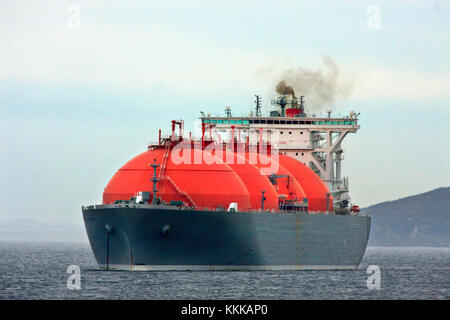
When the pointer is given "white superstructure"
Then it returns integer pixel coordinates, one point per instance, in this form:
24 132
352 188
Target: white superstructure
315 141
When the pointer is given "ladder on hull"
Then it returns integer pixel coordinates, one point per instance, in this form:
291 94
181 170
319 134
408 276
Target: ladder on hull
183 193
164 160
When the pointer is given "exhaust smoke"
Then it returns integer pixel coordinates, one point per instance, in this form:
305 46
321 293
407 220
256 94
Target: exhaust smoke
322 87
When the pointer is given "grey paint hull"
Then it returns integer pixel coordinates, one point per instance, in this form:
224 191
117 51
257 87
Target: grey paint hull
170 239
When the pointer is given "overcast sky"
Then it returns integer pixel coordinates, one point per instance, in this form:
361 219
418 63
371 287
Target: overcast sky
80 94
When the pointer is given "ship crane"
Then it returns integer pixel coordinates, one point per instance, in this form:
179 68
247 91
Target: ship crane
274 179
154 165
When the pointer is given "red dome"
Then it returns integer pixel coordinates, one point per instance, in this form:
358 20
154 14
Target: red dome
215 181
253 180
287 188
315 189
202 185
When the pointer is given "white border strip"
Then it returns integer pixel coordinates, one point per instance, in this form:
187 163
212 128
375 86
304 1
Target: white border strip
222 267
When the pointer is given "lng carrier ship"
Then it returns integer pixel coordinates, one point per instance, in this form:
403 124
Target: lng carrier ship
252 193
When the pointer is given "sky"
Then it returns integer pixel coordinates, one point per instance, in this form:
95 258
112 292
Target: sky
85 86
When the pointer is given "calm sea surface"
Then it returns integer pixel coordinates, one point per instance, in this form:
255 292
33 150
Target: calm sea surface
38 271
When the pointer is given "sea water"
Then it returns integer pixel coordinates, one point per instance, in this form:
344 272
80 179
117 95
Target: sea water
39 271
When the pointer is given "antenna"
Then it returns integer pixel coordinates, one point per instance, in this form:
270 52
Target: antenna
228 111
281 102
154 165
258 105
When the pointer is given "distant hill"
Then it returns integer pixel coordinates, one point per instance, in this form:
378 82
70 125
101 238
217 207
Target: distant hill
420 220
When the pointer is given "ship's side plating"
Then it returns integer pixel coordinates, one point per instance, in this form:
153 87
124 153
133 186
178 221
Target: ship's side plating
164 238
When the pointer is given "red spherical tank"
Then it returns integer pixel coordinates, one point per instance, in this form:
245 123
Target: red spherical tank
315 189
213 177
252 178
201 185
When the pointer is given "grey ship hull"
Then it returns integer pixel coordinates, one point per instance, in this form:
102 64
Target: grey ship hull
144 237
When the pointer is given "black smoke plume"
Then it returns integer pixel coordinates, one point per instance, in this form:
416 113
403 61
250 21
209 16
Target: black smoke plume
322 87
284 89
